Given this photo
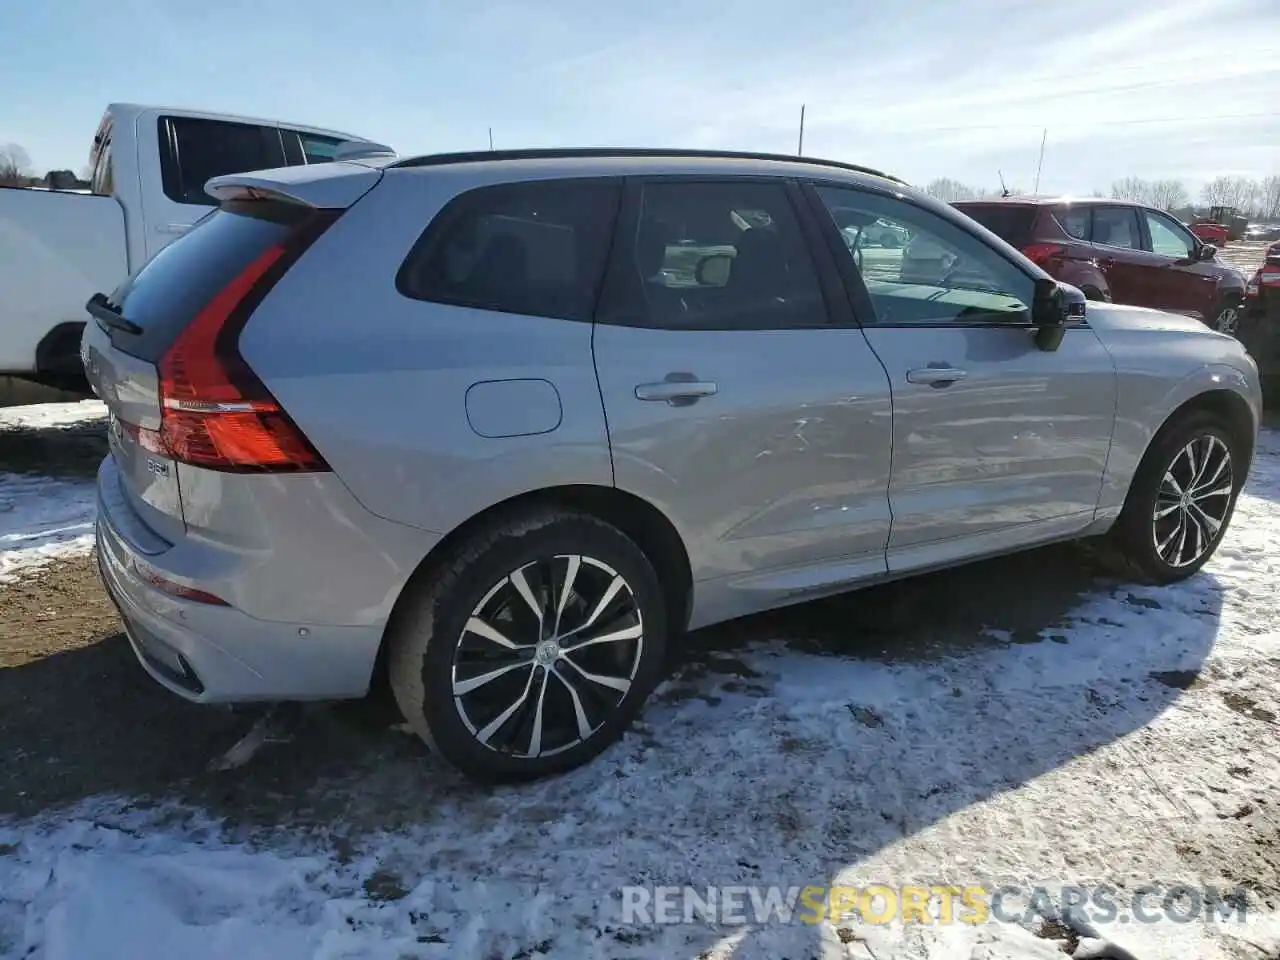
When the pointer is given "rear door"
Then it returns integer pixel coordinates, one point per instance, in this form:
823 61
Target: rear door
1133 274
996 443
1184 285
740 397
193 150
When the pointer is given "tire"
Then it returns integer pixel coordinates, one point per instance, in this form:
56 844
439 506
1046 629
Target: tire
490 731
1138 535
1226 317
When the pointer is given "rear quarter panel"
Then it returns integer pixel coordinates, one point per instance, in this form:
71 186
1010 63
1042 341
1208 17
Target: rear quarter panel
379 382
56 251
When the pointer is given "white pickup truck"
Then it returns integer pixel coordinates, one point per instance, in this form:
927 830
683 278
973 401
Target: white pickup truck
150 165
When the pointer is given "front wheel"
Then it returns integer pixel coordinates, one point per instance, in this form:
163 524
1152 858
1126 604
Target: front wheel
1227 319
532 649
1181 499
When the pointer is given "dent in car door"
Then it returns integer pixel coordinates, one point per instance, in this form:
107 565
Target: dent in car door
996 443
734 404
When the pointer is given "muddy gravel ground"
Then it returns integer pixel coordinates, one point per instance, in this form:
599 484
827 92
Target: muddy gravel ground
80 718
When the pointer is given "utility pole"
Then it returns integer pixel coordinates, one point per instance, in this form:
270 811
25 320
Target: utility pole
1043 138
491 138
800 147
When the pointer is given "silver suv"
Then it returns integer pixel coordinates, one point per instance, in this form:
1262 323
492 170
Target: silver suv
509 423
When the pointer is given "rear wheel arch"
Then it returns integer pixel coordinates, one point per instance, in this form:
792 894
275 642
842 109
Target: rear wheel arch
646 525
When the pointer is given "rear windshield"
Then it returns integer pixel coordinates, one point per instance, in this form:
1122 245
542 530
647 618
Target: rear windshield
171 288
1010 223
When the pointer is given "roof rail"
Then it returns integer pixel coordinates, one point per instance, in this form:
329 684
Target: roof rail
569 153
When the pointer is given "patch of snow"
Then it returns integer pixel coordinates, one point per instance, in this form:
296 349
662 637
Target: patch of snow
1135 744
43 520
40 415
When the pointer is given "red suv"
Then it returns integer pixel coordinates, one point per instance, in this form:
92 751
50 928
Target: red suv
1121 252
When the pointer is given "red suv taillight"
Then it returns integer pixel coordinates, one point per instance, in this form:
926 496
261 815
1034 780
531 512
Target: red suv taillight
1041 253
215 412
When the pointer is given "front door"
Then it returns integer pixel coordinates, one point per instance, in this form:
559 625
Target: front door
1186 285
740 398
996 443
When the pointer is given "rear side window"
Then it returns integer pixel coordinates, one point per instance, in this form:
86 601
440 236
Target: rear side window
173 286
535 248
1116 227
194 151
1011 223
305 148
1074 222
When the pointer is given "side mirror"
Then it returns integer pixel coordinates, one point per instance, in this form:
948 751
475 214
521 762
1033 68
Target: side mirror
1207 251
1053 307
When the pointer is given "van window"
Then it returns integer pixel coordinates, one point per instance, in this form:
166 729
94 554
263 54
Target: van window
102 181
194 151
535 248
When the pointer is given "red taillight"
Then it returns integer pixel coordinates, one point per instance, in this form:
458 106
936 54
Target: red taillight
215 412
1042 253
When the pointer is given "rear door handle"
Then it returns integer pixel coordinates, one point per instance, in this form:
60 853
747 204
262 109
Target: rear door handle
936 376
678 393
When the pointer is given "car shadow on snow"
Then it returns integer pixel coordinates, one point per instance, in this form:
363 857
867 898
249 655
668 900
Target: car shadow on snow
784 748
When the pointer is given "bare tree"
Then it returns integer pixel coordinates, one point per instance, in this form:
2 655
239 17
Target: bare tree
1226 191
15 165
1167 194
949 191
1134 189
1269 198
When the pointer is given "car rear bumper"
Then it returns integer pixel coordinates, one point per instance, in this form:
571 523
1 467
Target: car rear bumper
218 654
1259 330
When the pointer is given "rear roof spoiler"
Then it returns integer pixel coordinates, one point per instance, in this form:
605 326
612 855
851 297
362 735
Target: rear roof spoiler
334 185
350 150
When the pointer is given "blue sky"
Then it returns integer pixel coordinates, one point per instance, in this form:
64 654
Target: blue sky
921 88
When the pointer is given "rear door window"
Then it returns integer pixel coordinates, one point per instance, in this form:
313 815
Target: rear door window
194 151
1116 227
535 248
1074 222
714 255
173 286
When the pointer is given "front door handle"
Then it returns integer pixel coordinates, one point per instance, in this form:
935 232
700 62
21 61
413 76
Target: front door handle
936 376
678 393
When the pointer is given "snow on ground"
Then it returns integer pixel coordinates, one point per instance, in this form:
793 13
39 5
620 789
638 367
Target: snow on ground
43 519
43 415
1131 743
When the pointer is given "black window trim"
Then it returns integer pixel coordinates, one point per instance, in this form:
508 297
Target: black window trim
860 297
456 207
1148 245
836 310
